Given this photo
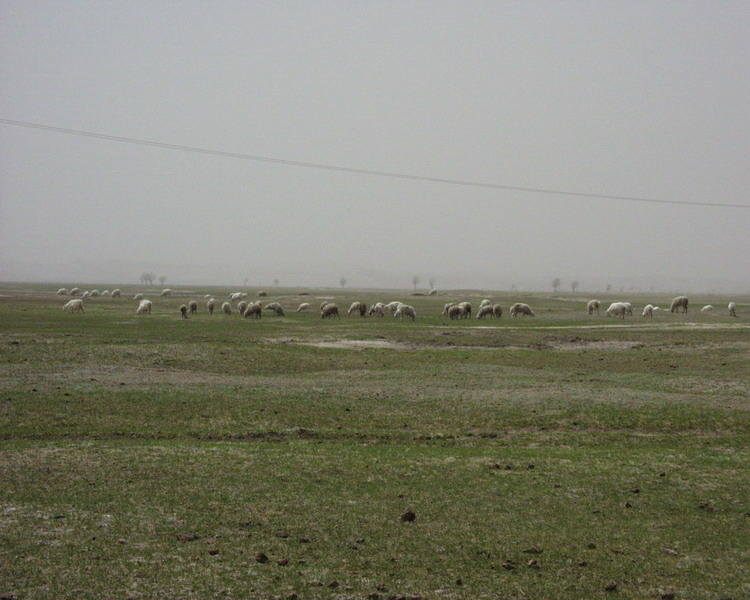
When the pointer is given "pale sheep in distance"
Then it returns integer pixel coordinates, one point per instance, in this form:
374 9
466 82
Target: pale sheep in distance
86 295
447 307
658 309
242 306
184 311
75 292
732 308
707 308
303 307
95 293
116 293
617 309
138 297
405 310
253 311
144 308
207 296
497 311
593 306
628 308
193 307
235 297
679 302
456 312
106 293
210 305
648 311
357 307
377 309
393 306
166 293
484 302
73 306
262 293
279 311
484 311
519 308
272 306
432 292
329 311
227 308
62 292
467 308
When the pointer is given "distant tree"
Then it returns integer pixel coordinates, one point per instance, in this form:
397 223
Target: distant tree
574 286
432 283
556 284
609 287
162 279
513 288
246 280
342 281
147 278
276 282
415 280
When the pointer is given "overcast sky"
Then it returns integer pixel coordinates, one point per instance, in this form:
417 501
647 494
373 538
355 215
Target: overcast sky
639 99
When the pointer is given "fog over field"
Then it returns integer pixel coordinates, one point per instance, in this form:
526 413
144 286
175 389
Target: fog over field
644 100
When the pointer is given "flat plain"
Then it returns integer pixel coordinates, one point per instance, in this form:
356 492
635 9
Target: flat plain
563 456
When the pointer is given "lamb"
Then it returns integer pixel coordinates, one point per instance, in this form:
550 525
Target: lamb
253 310
497 311
707 308
304 306
184 311
519 308
227 308
75 292
357 307
329 311
467 308
74 306
405 310
593 306
648 311
732 307
484 311
138 297
193 307
242 306
95 293
447 307
617 309
116 293
62 292
210 305
166 293
679 302
144 308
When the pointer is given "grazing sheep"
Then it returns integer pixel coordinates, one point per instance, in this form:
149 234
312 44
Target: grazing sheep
235 297
648 311
497 311
377 309
432 292
658 309
272 306
253 311
166 293
456 312
86 295
679 302
732 307
116 293
617 309
329 311
447 307
484 302
242 306
707 308
484 311
138 297
74 306
62 292
105 293
519 308
405 310
628 308
95 293
278 311
393 306
593 306
227 308
184 311
75 292
210 305
193 307
144 308
207 297
357 307
304 306
467 308
262 293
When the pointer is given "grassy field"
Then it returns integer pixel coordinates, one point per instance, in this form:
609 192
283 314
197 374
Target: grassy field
561 457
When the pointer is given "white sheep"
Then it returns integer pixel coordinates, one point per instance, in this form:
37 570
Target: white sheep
95 293
329 311
357 307
732 307
272 306
86 295
648 311
405 310
138 297
184 311
707 308
377 309
116 293
106 293
447 307
242 307
484 302
211 305
628 308
617 309
193 307
593 306
235 297
658 309
432 292
484 311
144 308
679 302
497 311
74 306
62 292
303 307
227 308
467 308
519 308
166 293
393 306
207 297
75 291
456 312
253 310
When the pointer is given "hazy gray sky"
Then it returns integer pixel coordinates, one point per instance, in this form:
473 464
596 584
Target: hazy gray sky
645 99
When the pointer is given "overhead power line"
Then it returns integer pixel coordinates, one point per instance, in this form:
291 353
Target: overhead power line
393 175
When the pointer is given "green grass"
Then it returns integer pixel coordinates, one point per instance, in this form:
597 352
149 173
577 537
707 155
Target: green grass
152 457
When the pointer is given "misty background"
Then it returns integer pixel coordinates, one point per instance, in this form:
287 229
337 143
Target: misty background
637 99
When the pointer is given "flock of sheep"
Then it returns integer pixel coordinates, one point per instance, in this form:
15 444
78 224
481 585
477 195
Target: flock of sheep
452 310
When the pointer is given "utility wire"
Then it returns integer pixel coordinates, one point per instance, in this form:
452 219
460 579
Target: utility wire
393 175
